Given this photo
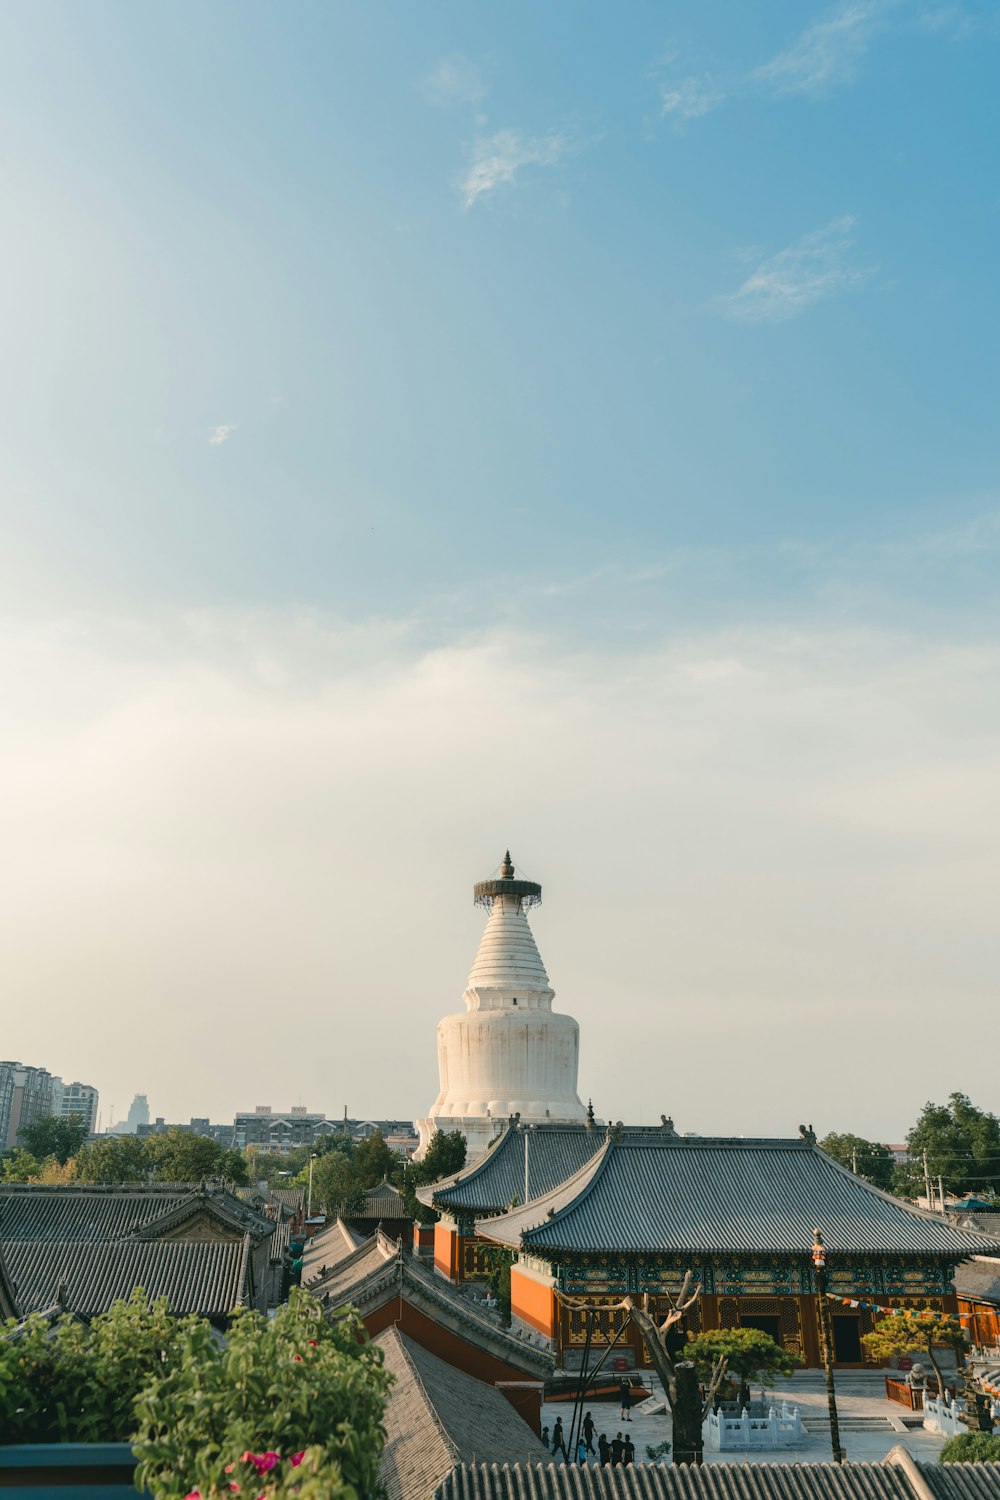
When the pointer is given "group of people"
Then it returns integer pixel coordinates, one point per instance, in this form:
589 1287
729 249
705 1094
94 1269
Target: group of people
619 1451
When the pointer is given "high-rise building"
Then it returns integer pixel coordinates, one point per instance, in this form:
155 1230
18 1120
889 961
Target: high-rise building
510 1053
76 1099
32 1098
138 1113
6 1099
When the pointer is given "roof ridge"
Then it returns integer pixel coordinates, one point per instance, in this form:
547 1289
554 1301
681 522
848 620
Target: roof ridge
443 1432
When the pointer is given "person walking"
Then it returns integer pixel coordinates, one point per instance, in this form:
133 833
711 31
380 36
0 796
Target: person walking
617 1449
603 1449
625 1394
558 1441
545 1436
581 1452
628 1453
588 1432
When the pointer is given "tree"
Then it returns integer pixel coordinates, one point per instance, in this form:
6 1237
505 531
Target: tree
20 1166
373 1160
909 1333
678 1376
183 1156
748 1353
972 1448
54 1135
445 1155
232 1165
335 1185
114 1158
962 1144
870 1159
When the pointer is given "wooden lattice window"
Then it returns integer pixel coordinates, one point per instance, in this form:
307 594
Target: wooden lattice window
475 1260
607 1322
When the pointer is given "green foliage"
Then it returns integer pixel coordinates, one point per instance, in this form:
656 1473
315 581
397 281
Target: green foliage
962 1144
874 1161
54 1135
336 1188
114 1158
297 1383
445 1155
20 1166
909 1334
972 1448
373 1160
78 1383
658 1453
749 1353
184 1156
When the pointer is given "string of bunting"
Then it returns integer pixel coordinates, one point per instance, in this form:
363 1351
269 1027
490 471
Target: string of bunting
924 1315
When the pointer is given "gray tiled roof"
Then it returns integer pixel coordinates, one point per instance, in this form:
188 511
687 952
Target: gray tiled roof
43 1212
979 1279
438 1417
9 1306
491 1184
205 1276
650 1191
733 1481
381 1202
327 1249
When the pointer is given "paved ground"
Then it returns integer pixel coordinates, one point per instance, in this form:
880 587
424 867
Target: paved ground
860 1395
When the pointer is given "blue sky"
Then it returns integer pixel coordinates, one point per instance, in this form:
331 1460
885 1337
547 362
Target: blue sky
343 341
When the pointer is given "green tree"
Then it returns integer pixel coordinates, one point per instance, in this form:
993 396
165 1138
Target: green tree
54 1135
232 1165
373 1160
445 1155
748 1353
336 1188
962 1144
870 1159
908 1333
113 1158
20 1166
183 1156
972 1448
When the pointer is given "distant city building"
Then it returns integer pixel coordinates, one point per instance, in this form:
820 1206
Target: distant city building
197 1125
31 1098
6 1099
76 1099
138 1114
261 1129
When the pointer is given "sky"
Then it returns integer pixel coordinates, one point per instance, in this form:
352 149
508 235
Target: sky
431 429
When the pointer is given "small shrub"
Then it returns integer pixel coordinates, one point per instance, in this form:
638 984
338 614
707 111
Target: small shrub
972 1448
658 1453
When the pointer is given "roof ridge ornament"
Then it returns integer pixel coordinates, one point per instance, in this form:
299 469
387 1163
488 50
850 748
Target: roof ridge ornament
485 892
807 1134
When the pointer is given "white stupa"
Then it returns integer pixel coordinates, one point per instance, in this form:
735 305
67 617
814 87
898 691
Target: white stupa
510 1054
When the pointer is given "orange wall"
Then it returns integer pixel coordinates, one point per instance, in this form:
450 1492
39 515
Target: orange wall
533 1303
446 1248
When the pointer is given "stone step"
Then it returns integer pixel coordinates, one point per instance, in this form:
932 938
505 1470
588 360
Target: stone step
849 1424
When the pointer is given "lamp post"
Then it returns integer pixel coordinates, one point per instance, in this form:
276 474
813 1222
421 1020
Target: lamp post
826 1342
309 1201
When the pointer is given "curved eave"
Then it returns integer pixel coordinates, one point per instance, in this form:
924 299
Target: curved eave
429 1193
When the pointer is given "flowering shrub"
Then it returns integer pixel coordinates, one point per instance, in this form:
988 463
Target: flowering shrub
74 1383
287 1406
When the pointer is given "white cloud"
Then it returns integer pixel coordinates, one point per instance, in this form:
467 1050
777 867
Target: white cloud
222 433
454 80
691 98
741 833
497 159
785 284
826 53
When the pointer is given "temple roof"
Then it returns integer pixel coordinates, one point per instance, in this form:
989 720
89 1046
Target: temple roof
380 1271
649 1191
979 1280
438 1417
203 1276
36 1211
491 1184
898 1478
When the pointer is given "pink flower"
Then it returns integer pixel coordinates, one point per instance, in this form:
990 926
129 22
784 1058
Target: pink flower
234 1486
297 1458
193 1495
229 1468
298 1357
313 1344
265 1462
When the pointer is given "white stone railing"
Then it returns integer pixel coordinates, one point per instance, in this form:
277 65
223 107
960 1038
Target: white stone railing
781 1427
946 1416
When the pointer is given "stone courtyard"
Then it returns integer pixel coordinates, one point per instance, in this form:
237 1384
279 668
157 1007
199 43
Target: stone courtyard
869 1424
